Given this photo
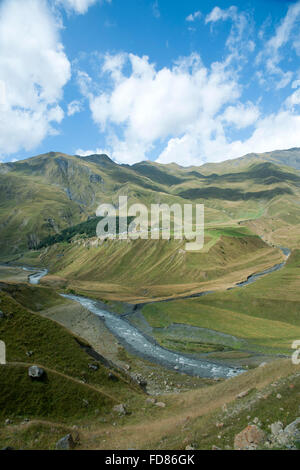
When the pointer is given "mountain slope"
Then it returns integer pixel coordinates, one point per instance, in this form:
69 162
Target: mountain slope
43 195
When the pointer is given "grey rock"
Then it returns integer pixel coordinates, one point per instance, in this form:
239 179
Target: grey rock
120 409
94 367
66 443
35 372
243 394
151 401
263 364
293 430
160 404
276 428
1 315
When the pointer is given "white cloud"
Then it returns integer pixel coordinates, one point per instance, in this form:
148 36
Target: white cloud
152 105
293 100
78 6
193 16
238 41
218 14
87 153
241 115
274 132
74 107
155 9
271 55
34 69
296 83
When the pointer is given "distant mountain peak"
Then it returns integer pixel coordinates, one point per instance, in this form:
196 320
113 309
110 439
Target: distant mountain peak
100 159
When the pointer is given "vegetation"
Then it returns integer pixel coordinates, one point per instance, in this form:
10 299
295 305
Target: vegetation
85 230
30 338
49 201
264 314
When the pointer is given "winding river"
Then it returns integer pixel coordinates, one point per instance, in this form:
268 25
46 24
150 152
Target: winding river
138 343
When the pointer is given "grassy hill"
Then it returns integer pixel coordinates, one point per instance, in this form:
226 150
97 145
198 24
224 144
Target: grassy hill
263 317
31 338
43 195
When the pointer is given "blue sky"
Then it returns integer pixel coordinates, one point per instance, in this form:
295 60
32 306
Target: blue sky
165 80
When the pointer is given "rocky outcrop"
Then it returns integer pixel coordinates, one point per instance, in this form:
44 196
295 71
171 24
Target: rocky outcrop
253 437
250 438
285 437
95 178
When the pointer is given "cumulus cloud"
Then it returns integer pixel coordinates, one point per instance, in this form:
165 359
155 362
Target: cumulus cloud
274 132
78 6
241 115
151 105
34 69
189 113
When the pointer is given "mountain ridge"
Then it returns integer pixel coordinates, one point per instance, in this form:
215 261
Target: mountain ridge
45 194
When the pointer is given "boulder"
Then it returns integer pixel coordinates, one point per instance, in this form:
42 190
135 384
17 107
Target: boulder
120 409
263 364
276 428
35 372
160 404
243 394
1 315
250 438
151 401
66 443
94 367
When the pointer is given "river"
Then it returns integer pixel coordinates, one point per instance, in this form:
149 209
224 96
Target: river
138 343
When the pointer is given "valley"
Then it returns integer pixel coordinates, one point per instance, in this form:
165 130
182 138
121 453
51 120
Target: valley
97 306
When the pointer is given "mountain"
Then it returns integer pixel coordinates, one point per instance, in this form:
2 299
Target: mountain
43 195
289 157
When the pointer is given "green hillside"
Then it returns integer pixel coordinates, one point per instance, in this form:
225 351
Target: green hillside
43 195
